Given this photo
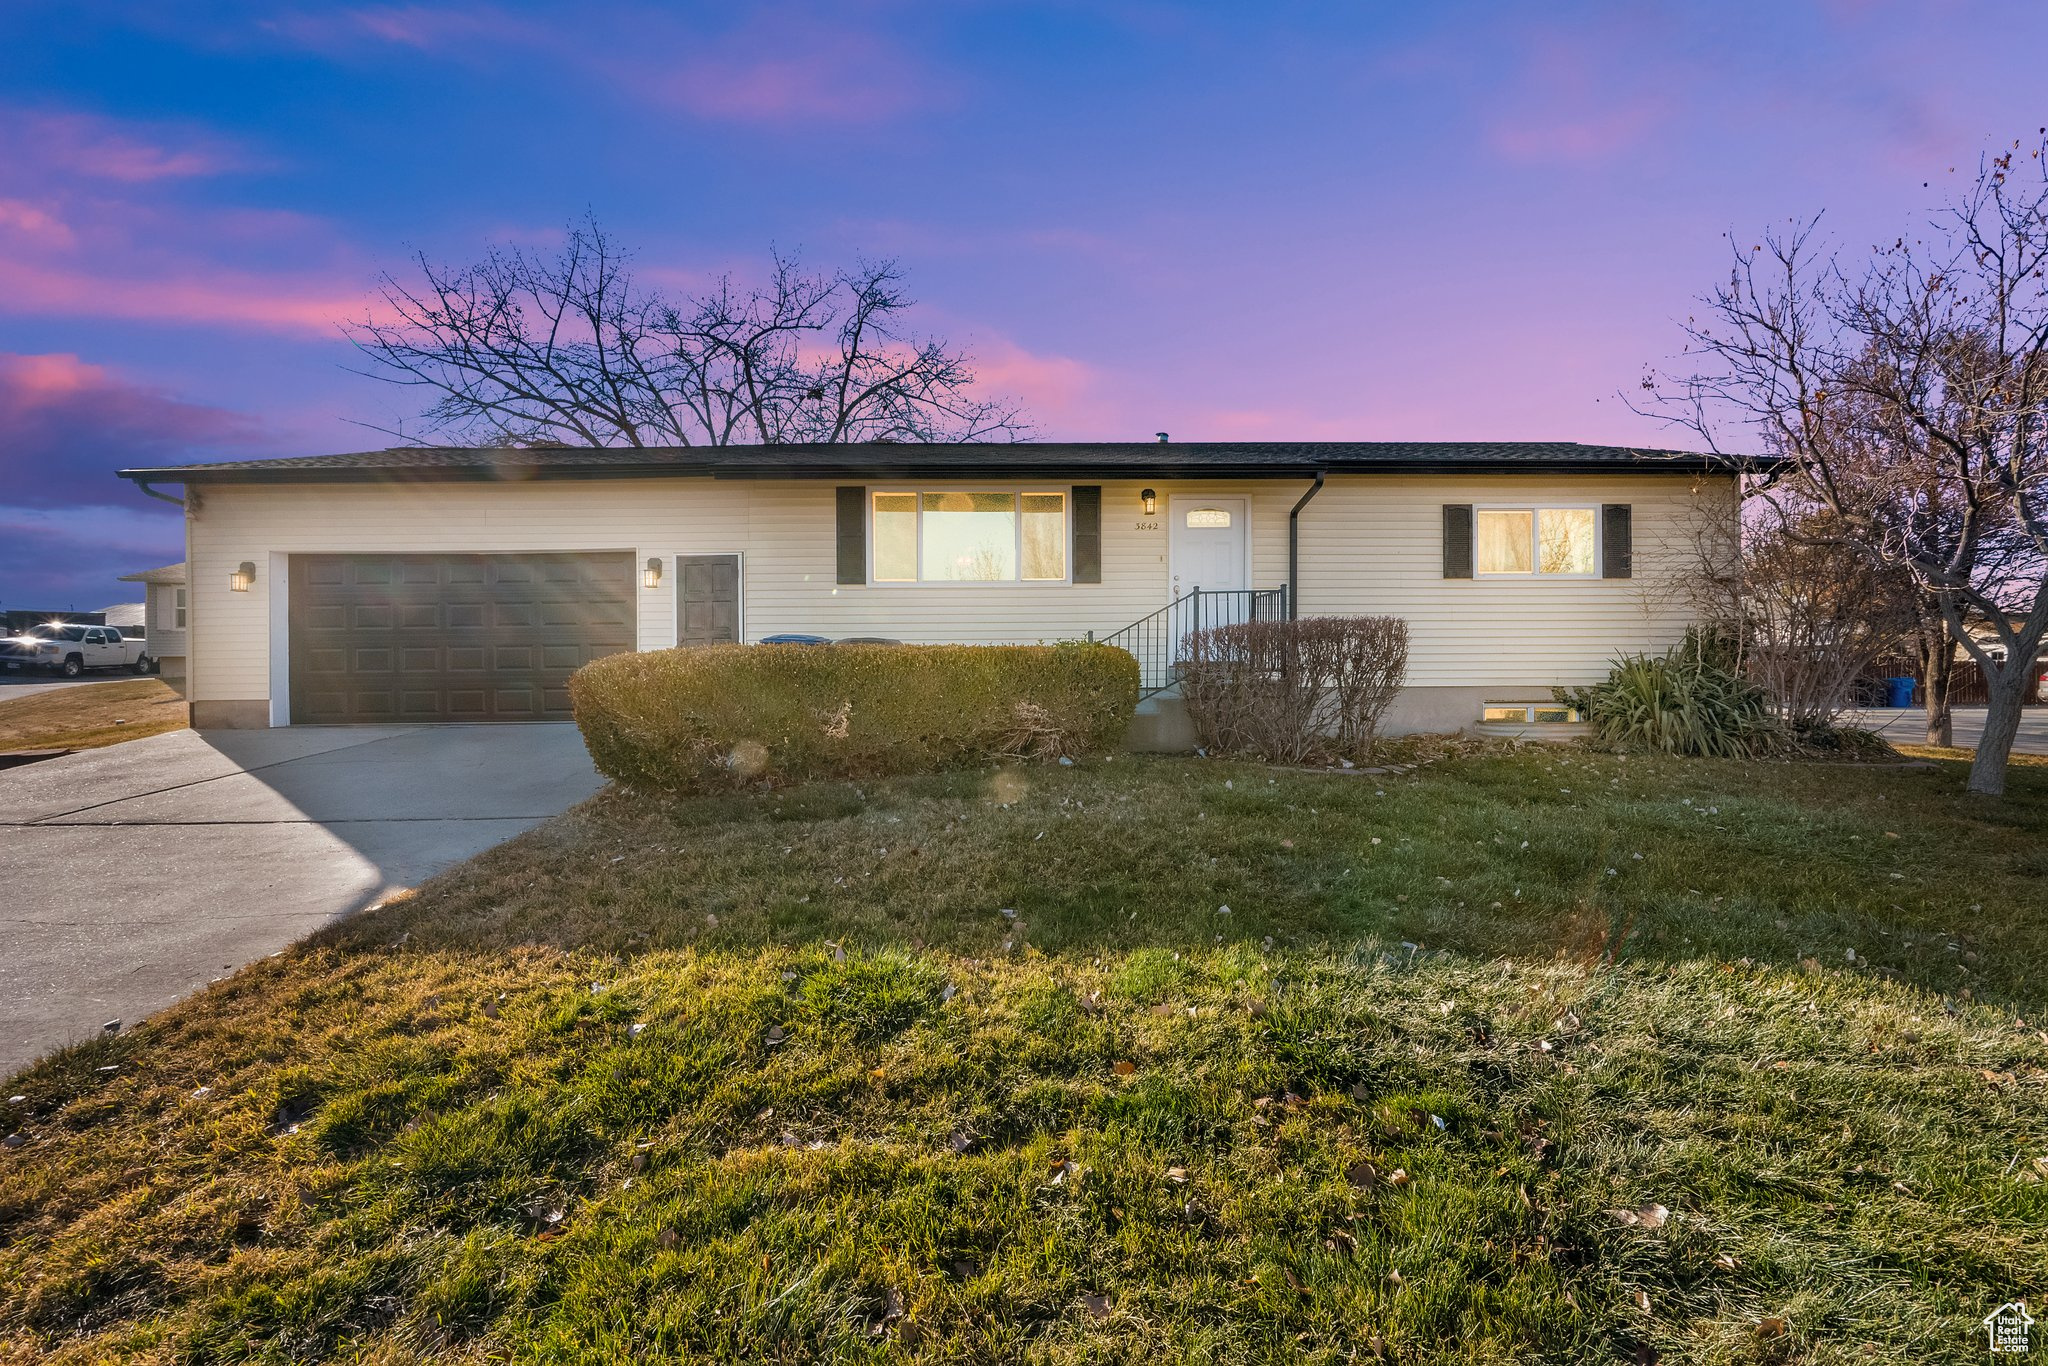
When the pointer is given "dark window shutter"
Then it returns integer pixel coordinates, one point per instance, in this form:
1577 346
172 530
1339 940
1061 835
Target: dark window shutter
1617 553
1457 540
1087 533
853 534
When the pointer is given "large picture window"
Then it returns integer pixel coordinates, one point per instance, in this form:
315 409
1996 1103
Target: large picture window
1561 541
974 536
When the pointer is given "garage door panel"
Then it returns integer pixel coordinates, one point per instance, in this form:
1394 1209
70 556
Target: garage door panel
380 703
424 705
468 704
519 703
451 637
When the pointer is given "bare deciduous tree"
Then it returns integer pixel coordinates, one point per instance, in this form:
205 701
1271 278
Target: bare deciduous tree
1802 615
523 348
1910 397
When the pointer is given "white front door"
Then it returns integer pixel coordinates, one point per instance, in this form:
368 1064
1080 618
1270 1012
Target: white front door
1206 546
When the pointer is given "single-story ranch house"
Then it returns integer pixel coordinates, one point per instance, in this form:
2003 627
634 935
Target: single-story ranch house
455 584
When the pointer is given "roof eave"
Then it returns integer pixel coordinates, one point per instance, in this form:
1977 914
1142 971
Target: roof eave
1690 465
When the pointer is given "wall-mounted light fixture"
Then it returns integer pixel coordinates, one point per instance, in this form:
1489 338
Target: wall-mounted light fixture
244 575
652 577
1149 501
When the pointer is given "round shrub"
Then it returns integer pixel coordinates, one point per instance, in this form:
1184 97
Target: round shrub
731 716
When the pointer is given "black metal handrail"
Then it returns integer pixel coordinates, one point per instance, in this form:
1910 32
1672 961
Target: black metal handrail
1157 641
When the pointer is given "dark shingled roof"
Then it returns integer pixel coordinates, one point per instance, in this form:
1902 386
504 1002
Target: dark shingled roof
891 460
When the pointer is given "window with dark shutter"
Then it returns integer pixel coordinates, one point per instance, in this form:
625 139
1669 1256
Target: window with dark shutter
1617 549
853 538
1087 533
1457 540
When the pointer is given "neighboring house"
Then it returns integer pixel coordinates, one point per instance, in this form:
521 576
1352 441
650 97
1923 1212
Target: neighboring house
437 584
129 616
164 613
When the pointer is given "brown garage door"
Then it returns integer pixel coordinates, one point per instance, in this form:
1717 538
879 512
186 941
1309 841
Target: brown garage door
378 638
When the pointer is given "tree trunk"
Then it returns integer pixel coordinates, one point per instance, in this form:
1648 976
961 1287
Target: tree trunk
2007 687
1937 680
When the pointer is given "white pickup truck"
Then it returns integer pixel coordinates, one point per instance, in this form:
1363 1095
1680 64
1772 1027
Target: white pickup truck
70 649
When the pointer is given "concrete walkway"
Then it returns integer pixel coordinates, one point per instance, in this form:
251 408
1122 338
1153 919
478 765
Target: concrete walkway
1908 726
134 874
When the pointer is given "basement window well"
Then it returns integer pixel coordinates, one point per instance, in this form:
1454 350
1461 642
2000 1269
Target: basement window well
1530 713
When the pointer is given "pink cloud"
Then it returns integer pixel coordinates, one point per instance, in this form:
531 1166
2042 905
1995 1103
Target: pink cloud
71 424
775 66
1581 98
443 32
85 232
189 293
1589 137
784 71
87 145
28 220
1056 392
779 90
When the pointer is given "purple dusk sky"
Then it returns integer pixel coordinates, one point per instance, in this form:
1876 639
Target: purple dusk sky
1274 221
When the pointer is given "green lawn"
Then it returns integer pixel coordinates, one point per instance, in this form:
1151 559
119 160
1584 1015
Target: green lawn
1544 1056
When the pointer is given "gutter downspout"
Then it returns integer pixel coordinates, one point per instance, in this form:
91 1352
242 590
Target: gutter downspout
1294 548
143 484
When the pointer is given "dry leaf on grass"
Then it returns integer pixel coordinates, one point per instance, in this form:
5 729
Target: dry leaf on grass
1649 1216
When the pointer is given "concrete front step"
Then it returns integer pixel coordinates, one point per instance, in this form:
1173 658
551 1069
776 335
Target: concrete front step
1161 726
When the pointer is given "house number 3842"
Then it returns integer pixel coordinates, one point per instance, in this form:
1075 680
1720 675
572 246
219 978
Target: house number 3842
1146 526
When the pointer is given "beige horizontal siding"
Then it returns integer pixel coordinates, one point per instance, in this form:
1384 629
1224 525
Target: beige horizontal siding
1374 544
1369 544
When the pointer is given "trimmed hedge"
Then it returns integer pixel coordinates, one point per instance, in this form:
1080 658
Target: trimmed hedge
730 716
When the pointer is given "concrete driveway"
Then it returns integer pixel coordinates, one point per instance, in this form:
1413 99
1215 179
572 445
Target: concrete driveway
132 875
